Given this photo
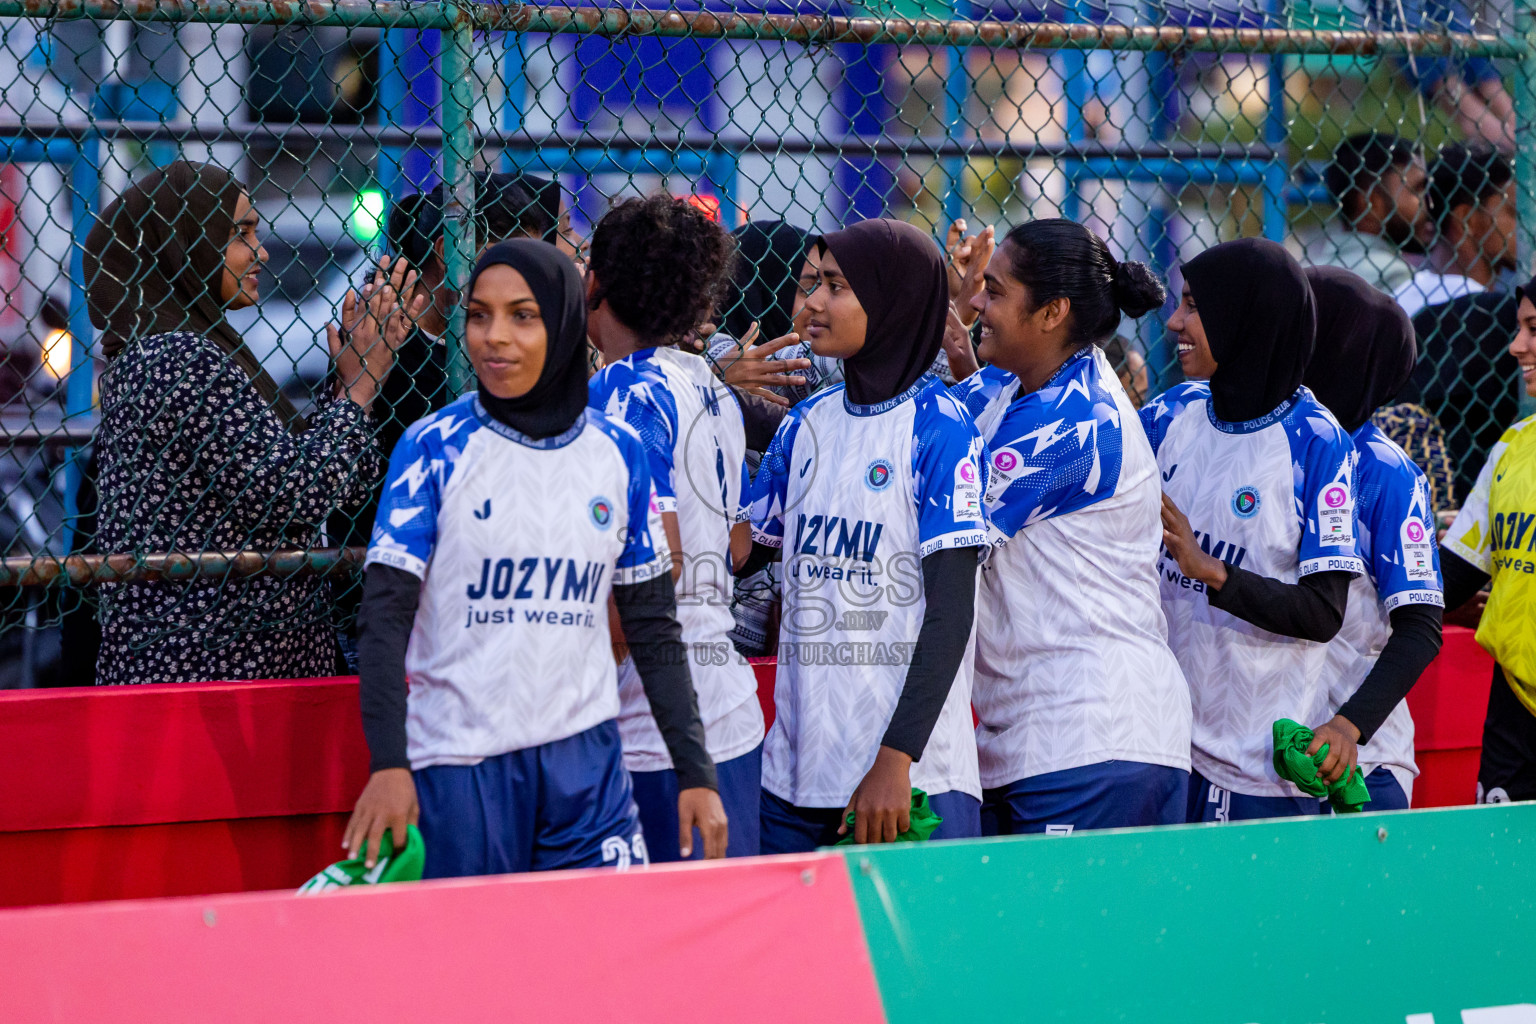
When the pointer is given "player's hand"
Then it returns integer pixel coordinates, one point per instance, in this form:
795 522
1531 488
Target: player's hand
882 805
1179 539
750 368
957 346
388 802
1343 748
968 258
700 808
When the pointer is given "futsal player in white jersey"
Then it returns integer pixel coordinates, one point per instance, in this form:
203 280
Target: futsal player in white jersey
1260 541
508 519
872 489
1365 351
695 444
1084 712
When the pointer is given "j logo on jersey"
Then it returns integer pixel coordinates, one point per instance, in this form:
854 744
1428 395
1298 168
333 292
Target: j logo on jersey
1418 553
878 476
601 510
1245 502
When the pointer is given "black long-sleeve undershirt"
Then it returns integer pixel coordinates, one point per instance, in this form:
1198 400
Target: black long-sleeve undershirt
1462 579
1414 642
646 610
648 616
949 612
1309 609
385 618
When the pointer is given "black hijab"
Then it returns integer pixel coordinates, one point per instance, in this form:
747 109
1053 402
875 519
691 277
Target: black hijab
1365 346
898 274
762 289
154 264
558 397
1260 320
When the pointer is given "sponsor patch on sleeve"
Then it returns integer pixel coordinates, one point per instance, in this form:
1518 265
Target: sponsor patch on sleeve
1336 515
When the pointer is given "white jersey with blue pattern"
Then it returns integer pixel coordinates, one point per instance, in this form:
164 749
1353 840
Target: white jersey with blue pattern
1072 660
1274 496
518 544
858 495
696 446
1397 541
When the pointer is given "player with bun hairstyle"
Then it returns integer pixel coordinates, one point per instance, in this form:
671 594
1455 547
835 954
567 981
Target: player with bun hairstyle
1084 711
1260 538
695 445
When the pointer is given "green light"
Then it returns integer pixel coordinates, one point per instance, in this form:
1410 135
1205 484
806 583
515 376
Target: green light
367 220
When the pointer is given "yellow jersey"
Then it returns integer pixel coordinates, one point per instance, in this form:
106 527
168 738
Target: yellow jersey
1496 531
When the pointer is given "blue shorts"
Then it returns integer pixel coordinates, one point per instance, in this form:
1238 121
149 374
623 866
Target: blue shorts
791 829
1209 802
1110 794
741 781
1386 792
566 804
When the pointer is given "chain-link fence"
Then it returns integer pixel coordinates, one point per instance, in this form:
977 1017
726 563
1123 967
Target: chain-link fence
1165 125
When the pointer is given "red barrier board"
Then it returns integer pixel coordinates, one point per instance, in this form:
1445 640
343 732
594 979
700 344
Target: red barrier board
145 755
1448 704
770 940
183 789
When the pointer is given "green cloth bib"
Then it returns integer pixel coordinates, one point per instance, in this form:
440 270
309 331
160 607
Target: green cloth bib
919 828
391 868
1294 765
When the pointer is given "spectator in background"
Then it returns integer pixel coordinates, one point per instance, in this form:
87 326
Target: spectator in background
1130 366
198 449
1378 181
1472 198
1473 224
1465 379
1469 89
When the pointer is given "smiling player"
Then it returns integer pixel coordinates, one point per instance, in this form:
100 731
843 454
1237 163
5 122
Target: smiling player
1255 578
1084 711
508 518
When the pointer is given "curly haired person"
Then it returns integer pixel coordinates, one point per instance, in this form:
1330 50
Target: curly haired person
657 267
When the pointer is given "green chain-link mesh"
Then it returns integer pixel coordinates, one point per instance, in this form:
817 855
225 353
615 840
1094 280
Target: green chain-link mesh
1165 126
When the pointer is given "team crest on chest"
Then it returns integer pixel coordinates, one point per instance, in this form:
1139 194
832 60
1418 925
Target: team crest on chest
1245 502
878 476
601 511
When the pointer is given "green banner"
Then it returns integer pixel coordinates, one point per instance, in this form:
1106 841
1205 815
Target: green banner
1407 918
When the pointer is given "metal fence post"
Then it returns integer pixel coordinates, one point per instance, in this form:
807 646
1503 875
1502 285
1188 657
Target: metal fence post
79 394
458 183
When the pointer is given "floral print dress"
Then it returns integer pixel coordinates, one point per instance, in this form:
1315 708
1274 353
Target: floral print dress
191 460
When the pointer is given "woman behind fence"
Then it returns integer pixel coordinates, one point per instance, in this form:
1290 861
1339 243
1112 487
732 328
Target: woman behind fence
200 451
